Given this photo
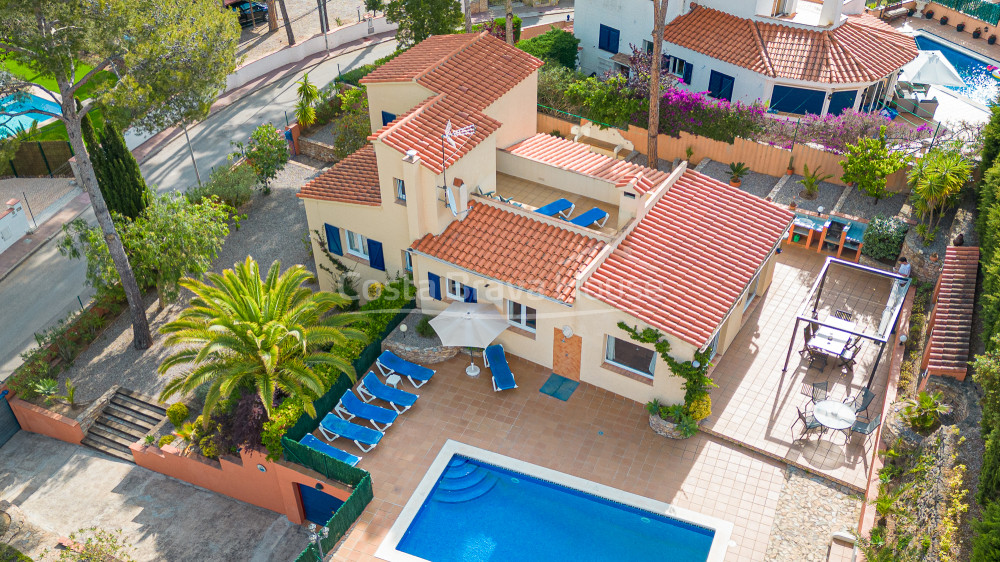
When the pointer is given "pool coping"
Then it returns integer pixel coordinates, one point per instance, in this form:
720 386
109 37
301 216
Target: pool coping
965 51
387 548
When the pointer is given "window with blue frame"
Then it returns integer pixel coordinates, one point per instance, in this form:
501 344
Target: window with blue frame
797 101
607 40
720 86
387 118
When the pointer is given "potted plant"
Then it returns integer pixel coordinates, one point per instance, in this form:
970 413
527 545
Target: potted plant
810 181
910 12
672 422
935 257
929 14
977 33
737 171
689 152
992 39
793 205
791 166
960 27
943 20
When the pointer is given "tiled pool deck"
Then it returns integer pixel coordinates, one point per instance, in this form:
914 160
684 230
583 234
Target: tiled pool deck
603 437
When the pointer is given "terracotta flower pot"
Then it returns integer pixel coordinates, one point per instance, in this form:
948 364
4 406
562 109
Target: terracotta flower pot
934 257
789 171
735 182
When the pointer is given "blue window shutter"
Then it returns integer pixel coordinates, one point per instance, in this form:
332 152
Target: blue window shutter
687 73
470 294
375 257
434 286
613 40
333 240
387 118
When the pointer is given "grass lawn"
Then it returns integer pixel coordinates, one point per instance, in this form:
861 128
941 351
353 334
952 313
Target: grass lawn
57 131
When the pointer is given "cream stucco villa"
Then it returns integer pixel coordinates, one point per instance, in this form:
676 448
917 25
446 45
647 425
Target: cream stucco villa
680 252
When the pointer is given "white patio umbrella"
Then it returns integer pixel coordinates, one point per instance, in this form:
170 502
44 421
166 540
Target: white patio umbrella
931 67
469 324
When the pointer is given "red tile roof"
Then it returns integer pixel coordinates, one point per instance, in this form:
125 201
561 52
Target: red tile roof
516 249
477 68
421 128
861 49
688 259
352 180
949 339
577 157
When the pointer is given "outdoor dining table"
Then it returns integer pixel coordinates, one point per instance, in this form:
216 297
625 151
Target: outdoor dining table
830 339
835 415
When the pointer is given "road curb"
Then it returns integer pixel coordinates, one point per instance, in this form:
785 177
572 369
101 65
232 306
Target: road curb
34 250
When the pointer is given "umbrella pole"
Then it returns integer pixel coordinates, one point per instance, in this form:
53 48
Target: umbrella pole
472 370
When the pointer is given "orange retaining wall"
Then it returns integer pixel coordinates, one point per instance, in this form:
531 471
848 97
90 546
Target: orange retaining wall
542 29
274 488
39 420
867 521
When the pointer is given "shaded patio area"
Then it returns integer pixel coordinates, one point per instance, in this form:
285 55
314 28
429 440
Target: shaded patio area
595 435
755 404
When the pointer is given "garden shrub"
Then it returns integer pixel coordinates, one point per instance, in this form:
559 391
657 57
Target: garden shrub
424 328
232 185
991 139
701 407
178 414
986 373
266 151
554 45
353 126
986 543
208 447
884 237
10 554
283 417
988 215
699 114
354 77
989 476
498 28
166 440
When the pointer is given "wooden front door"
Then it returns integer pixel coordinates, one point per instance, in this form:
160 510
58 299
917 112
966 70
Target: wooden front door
566 355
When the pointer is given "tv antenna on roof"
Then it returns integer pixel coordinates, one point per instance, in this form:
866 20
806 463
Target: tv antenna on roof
464 133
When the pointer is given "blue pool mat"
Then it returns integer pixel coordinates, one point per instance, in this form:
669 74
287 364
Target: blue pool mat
559 387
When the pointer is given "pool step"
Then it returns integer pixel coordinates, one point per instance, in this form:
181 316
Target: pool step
459 471
466 494
467 481
457 461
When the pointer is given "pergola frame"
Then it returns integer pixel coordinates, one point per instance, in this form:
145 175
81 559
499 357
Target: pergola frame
817 291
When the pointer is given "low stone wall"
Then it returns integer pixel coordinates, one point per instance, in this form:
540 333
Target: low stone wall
318 150
663 427
251 478
421 355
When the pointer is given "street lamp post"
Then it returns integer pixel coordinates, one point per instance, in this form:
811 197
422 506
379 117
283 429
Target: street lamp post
316 535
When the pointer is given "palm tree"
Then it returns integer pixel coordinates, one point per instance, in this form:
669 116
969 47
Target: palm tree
940 175
242 332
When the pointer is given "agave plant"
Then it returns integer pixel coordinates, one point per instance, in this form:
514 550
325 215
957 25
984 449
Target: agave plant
924 411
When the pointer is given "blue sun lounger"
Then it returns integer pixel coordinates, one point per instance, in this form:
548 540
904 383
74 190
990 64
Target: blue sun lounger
389 363
593 216
365 438
496 362
559 206
312 442
372 388
350 407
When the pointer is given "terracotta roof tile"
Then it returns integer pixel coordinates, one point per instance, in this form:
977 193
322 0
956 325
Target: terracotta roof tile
352 180
949 339
516 249
421 128
690 257
478 68
861 49
577 157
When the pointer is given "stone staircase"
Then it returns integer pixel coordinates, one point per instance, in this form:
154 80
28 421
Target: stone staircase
126 418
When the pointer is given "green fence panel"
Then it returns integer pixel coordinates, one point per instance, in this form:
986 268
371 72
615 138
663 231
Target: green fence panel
985 11
324 464
348 513
310 554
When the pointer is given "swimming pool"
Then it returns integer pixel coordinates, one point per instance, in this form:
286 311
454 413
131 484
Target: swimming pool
477 506
14 104
980 85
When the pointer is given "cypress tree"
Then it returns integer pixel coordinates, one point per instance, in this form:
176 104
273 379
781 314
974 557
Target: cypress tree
119 176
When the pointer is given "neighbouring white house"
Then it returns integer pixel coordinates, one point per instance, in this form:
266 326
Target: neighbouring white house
13 223
797 56
472 222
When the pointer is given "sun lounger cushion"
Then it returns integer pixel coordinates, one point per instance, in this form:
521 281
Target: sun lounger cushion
594 215
351 406
496 361
312 442
560 206
371 387
333 427
389 363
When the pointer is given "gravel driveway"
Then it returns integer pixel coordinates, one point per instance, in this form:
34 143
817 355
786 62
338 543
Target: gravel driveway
273 230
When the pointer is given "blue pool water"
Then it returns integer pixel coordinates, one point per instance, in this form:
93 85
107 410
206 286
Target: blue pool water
478 512
14 104
980 85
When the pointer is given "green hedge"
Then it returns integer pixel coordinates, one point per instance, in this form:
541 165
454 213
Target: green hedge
883 239
10 554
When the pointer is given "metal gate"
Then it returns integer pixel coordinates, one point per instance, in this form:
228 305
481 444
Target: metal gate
319 506
8 423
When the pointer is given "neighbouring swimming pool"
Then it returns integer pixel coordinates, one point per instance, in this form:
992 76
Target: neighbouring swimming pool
980 85
476 511
14 104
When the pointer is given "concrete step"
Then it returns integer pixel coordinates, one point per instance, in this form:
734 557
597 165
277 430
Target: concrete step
127 414
112 434
140 408
121 425
108 447
151 402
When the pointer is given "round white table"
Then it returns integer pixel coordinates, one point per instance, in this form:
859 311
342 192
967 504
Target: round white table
835 415
393 380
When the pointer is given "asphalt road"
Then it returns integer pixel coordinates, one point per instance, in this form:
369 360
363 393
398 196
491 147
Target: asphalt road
44 289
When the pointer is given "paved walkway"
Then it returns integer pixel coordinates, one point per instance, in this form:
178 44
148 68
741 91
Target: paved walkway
62 488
